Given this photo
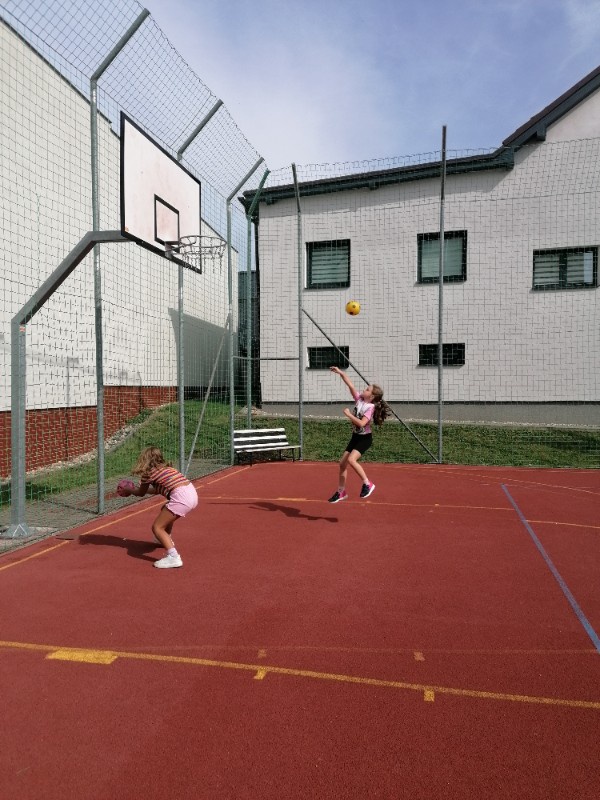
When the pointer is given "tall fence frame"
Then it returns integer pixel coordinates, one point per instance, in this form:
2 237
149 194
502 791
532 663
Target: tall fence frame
523 209
206 141
97 73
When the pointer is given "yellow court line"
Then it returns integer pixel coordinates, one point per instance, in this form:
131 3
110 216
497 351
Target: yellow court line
262 670
525 484
228 499
149 504
223 477
568 524
489 477
85 656
114 521
440 506
35 555
460 471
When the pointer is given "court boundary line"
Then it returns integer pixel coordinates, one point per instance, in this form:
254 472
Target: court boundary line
556 574
107 657
439 506
149 504
113 518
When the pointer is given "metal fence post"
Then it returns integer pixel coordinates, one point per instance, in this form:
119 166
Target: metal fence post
180 295
246 177
441 300
96 227
18 370
300 249
249 214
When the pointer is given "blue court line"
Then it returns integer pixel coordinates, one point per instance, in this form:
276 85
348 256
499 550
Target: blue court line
566 591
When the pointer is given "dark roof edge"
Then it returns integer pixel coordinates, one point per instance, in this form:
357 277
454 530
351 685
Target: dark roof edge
502 158
535 129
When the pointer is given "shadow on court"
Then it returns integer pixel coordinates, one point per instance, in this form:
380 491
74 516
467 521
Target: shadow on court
292 513
134 548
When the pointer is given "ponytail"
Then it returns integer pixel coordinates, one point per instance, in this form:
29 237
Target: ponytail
381 410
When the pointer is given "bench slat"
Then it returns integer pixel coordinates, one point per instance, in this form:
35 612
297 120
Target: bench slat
258 431
285 446
257 440
269 436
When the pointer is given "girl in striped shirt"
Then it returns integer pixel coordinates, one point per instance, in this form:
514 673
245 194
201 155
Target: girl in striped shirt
158 477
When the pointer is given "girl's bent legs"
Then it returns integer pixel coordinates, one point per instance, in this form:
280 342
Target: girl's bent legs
343 470
353 462
162 527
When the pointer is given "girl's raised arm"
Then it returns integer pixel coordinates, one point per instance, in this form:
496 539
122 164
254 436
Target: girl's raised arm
346 380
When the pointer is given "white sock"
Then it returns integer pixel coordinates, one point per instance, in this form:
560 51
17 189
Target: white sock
172 552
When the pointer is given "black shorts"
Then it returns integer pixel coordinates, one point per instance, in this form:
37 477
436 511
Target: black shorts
360 442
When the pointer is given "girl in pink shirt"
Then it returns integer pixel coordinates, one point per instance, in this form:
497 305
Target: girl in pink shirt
158 477
369 407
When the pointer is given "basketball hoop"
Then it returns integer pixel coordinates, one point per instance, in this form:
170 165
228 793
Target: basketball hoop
197 251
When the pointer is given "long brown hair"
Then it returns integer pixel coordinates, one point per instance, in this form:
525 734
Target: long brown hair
149 459
381 410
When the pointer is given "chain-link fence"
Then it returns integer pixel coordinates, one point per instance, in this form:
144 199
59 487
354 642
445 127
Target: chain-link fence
128 350
515 318
497 364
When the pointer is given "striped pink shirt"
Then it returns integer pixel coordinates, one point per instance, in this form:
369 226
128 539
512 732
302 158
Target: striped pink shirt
165 479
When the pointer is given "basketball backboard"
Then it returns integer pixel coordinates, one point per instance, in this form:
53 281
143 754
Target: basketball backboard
160 199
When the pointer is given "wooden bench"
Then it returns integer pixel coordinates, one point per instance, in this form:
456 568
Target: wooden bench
262 440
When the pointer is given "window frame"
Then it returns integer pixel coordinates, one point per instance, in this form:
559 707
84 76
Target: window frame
563 283
334 357
310 247
448 347
429 237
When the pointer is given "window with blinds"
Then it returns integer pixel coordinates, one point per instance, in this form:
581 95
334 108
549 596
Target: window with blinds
569 268
328 264
455 257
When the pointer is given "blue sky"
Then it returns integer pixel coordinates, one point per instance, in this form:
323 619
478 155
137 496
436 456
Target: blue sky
325 81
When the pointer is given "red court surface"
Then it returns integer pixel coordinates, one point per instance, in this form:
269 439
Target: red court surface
437 640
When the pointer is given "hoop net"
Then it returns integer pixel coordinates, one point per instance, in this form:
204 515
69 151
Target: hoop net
198 251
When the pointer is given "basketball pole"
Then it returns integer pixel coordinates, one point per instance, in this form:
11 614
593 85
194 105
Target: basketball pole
18 527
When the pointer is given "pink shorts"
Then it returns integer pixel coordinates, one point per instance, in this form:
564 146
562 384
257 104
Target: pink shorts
182 500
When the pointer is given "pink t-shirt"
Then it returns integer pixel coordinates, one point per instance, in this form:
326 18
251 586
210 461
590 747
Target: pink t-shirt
362 409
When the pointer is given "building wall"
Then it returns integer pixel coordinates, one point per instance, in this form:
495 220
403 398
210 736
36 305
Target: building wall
583 122
63 434
521 345
46 208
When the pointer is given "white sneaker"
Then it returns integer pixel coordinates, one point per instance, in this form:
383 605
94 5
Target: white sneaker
169 561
